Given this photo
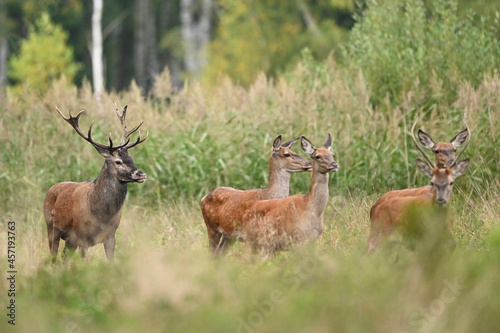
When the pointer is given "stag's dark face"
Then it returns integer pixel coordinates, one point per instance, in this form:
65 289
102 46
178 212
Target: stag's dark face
123 166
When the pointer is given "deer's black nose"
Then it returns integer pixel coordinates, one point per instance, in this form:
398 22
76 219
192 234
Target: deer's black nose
440 201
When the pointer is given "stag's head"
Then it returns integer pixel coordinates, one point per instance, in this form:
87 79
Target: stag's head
444 152
117 159
446 170
287 159
323 158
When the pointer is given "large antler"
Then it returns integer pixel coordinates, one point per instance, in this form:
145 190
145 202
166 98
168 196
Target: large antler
469 134
126 133
418 146
73 121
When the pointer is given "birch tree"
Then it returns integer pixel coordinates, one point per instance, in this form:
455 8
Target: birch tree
4 46
195 33
97 62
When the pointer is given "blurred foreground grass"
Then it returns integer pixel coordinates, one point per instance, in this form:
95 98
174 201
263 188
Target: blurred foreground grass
164 279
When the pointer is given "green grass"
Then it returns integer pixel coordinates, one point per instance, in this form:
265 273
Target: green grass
164 279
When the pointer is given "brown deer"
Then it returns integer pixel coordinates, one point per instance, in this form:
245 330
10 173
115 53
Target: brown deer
88 213
410 209
224 207
444 153
273 224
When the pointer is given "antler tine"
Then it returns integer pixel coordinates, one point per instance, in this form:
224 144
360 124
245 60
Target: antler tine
138 141
122 116
464 146
418 146
73 121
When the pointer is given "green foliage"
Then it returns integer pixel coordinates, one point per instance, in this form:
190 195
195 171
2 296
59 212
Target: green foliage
404 45
266 36
43 57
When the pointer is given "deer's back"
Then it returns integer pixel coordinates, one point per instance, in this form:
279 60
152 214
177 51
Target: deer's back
224 207
395 208
287 217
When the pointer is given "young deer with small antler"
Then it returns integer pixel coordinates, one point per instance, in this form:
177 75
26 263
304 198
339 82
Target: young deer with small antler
410 209
88 213
224 207
444 153
273 224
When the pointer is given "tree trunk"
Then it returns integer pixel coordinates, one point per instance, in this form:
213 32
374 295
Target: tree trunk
4 45
146 55
97 63
140 40
195 34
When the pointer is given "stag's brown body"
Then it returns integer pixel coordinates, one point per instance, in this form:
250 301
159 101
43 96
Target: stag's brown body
88 213
273 224
224 207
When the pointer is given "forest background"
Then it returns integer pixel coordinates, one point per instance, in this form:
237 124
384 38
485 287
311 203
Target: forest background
215 83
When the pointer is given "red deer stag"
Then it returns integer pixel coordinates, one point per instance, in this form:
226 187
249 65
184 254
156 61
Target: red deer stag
88 213
444 153
273 224
224 207
410 209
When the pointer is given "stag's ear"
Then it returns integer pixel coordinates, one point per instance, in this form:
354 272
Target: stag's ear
460 168
459 138
104 152
425 139
424 167
289 144
307 146
277 144
328 142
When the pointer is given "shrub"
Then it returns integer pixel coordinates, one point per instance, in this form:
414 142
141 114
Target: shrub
402 45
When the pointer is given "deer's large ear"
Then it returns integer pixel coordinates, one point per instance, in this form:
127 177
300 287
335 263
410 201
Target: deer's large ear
460 168
425 139
289 144
307 146
328 142
104 152
277 144
424 167
459 138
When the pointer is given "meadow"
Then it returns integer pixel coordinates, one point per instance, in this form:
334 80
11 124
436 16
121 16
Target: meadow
164 279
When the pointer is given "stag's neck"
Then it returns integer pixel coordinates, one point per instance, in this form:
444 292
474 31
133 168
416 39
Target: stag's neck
108 195
279 183
318 195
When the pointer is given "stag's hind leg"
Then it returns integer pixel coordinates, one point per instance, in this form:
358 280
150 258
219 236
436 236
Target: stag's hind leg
54 236
214 240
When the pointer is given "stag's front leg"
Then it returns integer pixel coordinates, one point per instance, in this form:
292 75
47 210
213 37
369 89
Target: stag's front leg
69 247
109 247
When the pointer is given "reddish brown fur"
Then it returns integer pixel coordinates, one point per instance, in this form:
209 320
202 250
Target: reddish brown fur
272 224
85 214
397 208
224 207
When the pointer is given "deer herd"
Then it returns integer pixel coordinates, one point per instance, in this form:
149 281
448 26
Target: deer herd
268 220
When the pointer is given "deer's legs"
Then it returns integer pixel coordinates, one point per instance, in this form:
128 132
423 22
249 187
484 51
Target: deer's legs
69 248
109 247
54 236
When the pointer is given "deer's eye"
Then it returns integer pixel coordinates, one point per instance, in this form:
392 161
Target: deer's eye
432 183
118 162
287 155
435 151
318 157
451 184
